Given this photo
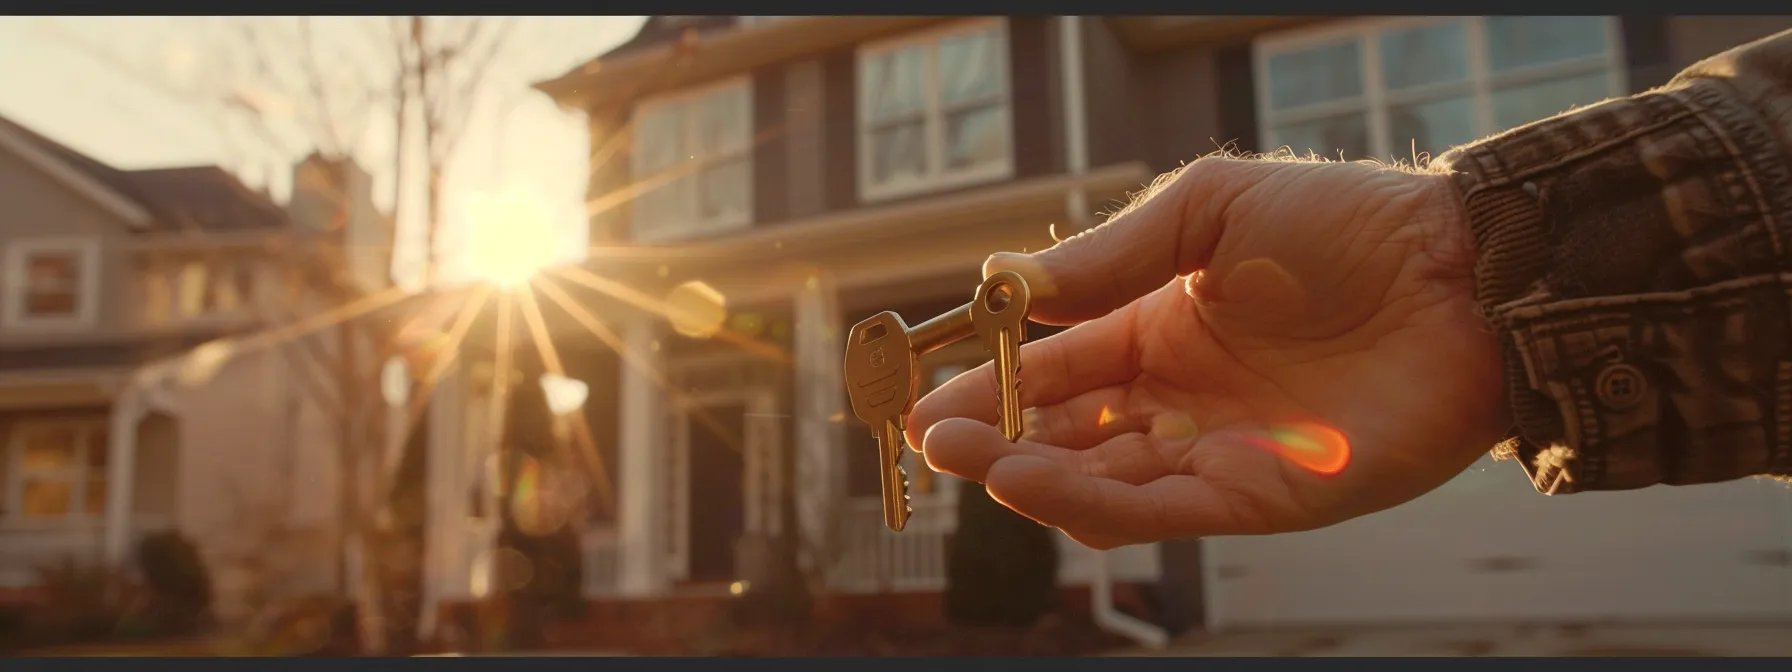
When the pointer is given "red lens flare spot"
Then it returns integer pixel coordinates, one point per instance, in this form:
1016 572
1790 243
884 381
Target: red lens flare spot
1311 446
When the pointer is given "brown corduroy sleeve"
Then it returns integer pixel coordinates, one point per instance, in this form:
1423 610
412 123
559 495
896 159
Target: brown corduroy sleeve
1633 258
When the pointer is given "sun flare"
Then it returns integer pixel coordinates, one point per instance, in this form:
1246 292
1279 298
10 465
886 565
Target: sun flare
511 237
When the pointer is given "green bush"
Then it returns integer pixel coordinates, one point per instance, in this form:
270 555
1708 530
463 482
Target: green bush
1001 568
180 587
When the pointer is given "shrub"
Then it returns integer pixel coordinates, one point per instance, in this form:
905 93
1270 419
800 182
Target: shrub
179 584
1001 567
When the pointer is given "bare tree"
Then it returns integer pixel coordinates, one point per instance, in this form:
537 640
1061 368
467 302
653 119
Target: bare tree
280 88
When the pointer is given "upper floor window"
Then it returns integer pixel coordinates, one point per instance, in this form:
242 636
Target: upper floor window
57 469
51 282
1400 88
934 110
195 289
692 160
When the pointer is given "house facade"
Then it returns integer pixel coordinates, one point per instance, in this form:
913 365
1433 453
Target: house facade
116 417
812 171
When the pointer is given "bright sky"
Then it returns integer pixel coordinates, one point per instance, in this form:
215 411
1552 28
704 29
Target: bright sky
67 79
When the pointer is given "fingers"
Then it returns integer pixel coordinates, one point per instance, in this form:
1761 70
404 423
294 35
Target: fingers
1105 513
1091 355
969 449
1171 233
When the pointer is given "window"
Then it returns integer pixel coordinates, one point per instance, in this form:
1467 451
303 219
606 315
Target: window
57 469
693 161
51 282
195 289
1403 88
934 111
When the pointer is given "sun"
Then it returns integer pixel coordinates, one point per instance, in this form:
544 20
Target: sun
511 237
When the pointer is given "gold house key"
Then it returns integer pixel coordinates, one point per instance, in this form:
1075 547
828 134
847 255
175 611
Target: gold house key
883 371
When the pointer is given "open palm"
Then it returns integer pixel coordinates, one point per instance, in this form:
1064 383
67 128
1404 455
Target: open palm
1245 307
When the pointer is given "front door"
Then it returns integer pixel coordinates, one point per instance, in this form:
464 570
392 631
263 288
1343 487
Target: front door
715 468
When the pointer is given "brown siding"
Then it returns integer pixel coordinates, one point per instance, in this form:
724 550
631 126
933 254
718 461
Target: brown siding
840 124
1177 93
1108 89
769 147
1694 38
1033 62
1647 54
805 167
1236 88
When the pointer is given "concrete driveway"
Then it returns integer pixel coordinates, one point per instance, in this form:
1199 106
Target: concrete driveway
1508 640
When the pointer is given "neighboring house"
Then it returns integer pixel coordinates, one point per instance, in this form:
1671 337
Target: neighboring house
112 423
816 170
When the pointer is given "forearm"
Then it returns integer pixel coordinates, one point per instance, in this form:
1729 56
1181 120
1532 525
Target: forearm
1633 258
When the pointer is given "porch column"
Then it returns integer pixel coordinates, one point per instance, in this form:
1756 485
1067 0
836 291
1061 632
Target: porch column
128 410
641 525
445 488
819 357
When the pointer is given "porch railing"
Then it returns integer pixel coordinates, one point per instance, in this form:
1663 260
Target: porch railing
600 553
27 546
873 559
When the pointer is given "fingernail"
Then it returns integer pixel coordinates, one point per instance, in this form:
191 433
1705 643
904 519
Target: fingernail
1174 426
1030 423
1039 282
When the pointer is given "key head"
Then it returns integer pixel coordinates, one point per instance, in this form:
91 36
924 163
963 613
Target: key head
1003 302
881 370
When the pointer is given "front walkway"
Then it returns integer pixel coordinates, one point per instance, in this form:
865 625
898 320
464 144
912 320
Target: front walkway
1506 640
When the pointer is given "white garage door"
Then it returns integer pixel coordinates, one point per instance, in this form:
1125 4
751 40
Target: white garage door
1487 547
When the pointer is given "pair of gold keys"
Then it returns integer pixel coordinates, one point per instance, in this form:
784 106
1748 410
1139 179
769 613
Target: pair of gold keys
883 372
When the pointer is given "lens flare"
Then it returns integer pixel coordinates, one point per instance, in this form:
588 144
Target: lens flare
1311 446
1108 417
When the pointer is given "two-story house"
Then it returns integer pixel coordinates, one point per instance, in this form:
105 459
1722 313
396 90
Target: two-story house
811 171
121 410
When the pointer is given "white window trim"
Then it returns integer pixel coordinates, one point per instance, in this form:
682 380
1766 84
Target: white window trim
15 473
1374 100
87 252
937 178
657 232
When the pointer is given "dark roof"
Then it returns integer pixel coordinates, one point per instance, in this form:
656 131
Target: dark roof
658 30
196 197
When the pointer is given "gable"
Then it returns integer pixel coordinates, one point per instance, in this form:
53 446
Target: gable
16 143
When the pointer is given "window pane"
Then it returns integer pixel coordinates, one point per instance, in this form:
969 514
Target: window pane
976 137
46 497
659 141
1327 73
1521 105
52 271
1430 127
722 121
50 448
668 202
970 67
898 153
192 289
1431 54
95 496
1521 41
1327 137
158 296
722 192
892 83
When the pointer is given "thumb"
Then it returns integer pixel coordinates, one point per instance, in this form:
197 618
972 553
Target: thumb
1168 232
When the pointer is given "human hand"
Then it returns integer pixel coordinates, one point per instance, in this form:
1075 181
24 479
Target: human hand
1246 308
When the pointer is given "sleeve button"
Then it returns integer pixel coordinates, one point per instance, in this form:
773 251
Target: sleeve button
1621 386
